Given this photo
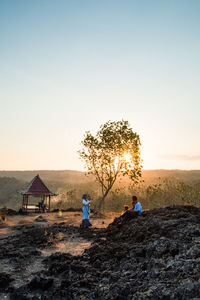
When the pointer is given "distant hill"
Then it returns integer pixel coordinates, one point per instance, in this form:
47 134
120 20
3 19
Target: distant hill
63 176
189 176
78 177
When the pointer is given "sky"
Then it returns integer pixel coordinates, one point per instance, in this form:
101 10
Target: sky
68 66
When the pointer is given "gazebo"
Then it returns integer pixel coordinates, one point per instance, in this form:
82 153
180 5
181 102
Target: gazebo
37 188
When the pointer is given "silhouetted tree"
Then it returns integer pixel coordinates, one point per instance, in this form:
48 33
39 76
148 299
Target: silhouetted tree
113 151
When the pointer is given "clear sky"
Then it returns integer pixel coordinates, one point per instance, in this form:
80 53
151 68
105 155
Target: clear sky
67 66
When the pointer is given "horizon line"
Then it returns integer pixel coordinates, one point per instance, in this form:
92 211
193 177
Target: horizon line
57 170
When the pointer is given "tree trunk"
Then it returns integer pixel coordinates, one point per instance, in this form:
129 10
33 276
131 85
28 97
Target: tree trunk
100 203
102 200
105 194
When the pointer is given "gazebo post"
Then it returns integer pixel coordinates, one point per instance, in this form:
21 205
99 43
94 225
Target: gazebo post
49 203
26 201
44 198
23 201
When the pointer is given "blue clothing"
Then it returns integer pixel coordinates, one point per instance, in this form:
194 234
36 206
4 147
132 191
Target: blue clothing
138 207
86 209
84 196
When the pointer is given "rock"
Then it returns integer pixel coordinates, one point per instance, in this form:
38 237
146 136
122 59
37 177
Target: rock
8 211
5 280
187 289
40 219
40 283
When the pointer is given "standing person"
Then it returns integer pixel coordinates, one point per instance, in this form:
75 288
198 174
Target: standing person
86 211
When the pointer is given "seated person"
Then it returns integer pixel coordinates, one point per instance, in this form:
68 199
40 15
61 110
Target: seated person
126 207
135 210
137 207
40 205
43 207
2 219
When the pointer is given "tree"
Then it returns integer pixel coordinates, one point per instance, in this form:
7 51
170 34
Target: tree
114 151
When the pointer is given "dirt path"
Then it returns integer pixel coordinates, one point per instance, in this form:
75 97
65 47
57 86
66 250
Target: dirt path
70 218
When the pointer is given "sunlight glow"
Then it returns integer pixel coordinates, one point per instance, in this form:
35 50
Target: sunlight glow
124 159
116 163
127 157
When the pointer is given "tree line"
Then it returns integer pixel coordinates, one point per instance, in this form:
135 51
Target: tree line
156 192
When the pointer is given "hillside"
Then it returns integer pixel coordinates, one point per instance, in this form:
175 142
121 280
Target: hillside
190 176
64 176
71 176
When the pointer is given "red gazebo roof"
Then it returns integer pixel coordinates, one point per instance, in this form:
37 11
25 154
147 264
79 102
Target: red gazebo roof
37 187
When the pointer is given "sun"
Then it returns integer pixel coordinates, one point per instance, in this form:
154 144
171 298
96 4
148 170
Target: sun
127 157
124 159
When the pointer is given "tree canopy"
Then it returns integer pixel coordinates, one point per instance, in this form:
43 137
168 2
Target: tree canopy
113 151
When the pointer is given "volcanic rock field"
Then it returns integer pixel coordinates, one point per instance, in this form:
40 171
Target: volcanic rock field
152 256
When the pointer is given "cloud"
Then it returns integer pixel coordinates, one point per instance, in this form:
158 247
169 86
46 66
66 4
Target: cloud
182 157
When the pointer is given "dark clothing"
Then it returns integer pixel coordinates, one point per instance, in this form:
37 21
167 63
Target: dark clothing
85 223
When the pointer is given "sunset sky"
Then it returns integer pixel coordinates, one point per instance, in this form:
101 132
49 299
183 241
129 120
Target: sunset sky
67 66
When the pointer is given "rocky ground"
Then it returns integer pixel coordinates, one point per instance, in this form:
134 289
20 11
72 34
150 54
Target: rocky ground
152 256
